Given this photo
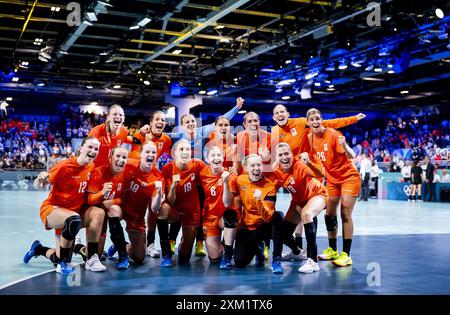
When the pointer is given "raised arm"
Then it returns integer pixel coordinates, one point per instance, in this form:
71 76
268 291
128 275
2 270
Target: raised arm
157 199
343 122
171 196
227 196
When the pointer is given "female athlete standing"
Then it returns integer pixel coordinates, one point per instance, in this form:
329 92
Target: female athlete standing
343 184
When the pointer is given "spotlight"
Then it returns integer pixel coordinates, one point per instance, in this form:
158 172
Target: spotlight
94 103
279 90
117 86
177 51
92 16
212 92
147 82
439 13
311 75
369 68
288 61
404 92
63 52
16 79
134 27
286 82
202 92
41 84
378 70
104 53
330 67
342 66
106 4
317 84
89 87
391 71
242 112
9 99
286 97
144 21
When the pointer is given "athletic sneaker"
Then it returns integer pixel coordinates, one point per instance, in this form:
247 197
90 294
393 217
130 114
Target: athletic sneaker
266 252
343 260
172 246
199 250
166 261
32 251
225 263
94 264
292 257
151 251
329 254
112 251
123 263
309 266
259 257
276 266
64 268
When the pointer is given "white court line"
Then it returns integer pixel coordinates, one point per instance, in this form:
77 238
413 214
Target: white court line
30 277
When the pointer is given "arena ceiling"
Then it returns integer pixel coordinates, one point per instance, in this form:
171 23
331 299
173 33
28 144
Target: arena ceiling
298 52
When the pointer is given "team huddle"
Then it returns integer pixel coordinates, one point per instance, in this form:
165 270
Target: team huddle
218 188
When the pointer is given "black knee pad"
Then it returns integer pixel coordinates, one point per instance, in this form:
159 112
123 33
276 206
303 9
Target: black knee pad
331 223
72 226
215 260
230 219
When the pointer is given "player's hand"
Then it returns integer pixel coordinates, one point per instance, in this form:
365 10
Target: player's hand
239 102
175 180
43 176
225 176
107 187
145 129
341 140
304 156
360 116
158 186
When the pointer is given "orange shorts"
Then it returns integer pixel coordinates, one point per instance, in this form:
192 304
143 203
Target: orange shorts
188 218
350 187
135 224
321 193
212 225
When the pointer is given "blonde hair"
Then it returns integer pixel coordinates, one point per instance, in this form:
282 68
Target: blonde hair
313 111
147 143
282 145
250 113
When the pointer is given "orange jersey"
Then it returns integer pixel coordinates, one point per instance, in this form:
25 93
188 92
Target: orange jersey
137 198
186 191
295 131
338 167
162 143
69 184
228 146
258 200
108 142
103 174
300 182
213 188
248 145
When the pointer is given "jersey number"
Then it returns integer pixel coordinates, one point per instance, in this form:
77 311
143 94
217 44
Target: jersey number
83 186
110 195
187 187
321 155
213 191
134 187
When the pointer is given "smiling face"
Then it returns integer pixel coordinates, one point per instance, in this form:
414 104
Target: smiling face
254 167
89 150
189 123
280 115
116 118
158 123
284 157
119 158
251 122
215 158
148 155
222 127
182 152
315 122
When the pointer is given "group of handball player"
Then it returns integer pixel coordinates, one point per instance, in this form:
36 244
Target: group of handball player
217 186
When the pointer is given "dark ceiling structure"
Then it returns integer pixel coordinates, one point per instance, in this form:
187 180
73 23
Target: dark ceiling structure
328 53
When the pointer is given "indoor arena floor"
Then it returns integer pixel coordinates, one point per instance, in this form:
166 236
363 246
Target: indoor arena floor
398 248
